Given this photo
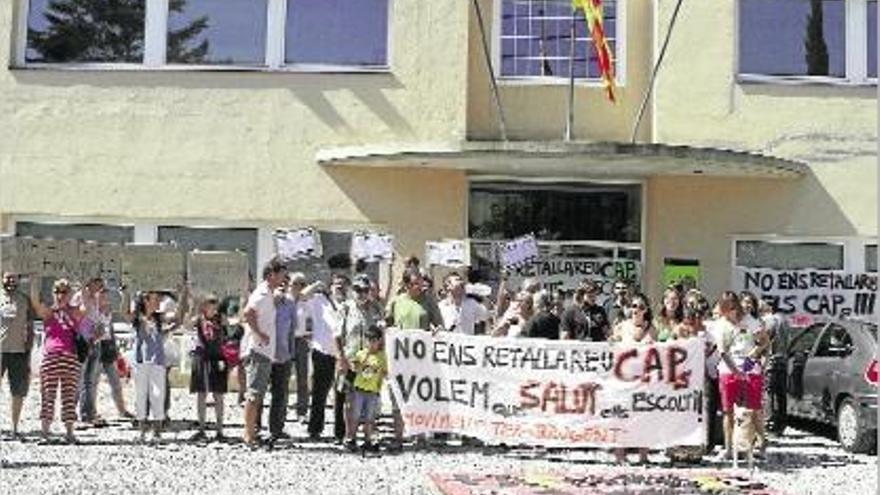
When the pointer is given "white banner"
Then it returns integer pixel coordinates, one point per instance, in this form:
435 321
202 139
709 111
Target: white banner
806 296
451 253
518 251
300 243
549 393
566 273
370 246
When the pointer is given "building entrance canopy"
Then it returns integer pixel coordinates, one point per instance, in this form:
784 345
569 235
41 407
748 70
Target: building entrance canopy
592 160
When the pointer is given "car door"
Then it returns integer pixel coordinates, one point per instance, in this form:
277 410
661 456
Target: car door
799 352
824 371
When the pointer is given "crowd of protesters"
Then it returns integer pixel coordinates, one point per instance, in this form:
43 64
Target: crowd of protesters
329 338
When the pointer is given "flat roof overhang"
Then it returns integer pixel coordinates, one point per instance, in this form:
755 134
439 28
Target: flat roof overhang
548 159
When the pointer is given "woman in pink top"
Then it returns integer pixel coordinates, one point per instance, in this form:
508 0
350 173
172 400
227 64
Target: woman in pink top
61 322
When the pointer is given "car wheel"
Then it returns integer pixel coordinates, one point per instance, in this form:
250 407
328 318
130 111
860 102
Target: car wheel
851 433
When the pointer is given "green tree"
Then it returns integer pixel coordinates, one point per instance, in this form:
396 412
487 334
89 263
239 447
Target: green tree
109 31
814 43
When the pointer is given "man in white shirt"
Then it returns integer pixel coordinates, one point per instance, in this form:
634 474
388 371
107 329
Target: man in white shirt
460 313
258 345
325 319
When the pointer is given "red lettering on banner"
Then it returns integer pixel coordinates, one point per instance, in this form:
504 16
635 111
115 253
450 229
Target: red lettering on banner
558 398
655 367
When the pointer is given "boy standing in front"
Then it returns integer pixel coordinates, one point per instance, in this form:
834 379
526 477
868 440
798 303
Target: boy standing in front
370 366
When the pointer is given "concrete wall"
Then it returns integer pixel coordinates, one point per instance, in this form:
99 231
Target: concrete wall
698 102
538 111
239 147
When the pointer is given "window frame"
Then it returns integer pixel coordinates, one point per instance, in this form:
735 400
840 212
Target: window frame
855 54
155 46
853 248
619 55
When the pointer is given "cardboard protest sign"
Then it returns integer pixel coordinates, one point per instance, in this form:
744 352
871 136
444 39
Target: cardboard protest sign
518 251
549 393
452 253
299 243
806 296
76 260
221 273
560 273
152 267
370 246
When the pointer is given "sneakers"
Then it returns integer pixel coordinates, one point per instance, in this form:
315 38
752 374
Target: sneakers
371 447
198 437
351 446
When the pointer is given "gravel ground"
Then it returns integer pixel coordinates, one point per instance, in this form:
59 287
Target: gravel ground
109 460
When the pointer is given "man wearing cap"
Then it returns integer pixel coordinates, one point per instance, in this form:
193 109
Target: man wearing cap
585 320
16 340
356 316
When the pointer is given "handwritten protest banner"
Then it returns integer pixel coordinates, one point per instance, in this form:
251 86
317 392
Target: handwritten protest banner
221 273
152 267
452 253
551 393
518 252
806 296
77 260
566 273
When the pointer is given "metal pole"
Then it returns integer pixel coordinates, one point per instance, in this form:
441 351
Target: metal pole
650 88
569 122
502 124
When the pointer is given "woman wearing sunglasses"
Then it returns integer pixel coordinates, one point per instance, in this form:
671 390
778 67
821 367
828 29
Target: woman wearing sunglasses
636 328
60 367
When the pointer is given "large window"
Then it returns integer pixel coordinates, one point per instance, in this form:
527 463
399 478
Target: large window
85 31
112 234
789 255
337 32
259 34
555 212
807 39
211 32
535 40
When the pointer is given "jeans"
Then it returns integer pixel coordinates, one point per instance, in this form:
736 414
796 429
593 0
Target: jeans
324 369
301 365
88 385
280 381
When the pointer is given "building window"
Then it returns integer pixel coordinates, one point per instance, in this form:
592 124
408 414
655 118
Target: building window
217 33
555 212
74 31
792 37
111 234
337 32
535 40
871 258
789 255
872 39
348 35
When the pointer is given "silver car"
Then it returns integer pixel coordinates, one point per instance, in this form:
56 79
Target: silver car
832 378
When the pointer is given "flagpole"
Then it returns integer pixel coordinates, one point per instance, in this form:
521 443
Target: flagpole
502 125
569 122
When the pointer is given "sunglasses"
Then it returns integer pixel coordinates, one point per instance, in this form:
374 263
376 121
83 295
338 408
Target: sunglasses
639 306
60 291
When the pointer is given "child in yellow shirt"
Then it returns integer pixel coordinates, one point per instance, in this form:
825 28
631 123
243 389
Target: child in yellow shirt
370 366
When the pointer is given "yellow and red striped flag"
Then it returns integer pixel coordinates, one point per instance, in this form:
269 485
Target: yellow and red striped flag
593 15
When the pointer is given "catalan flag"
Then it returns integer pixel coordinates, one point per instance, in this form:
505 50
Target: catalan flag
593 15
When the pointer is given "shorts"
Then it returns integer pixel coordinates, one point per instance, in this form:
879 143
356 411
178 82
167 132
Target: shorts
19 366
364 406
746 391
258 369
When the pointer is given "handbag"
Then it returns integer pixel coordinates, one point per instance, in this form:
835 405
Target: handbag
108 351
230 353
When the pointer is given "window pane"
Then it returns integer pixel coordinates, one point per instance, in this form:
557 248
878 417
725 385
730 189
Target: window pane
536 39
77 31
789 256
211 32
337 32
872 39
115 234
214 239
871 258
555 211
792 37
